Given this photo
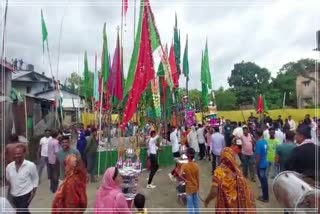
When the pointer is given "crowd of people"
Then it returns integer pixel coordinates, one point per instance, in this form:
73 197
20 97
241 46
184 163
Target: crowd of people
239 153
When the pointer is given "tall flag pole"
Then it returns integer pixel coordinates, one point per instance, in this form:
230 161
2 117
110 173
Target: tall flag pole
143 60
186 64
177 45
205 76
58 99
44 33
204 87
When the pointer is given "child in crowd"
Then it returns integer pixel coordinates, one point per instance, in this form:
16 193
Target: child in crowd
139 201
190 173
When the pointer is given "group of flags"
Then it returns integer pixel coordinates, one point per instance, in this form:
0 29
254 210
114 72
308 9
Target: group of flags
148 54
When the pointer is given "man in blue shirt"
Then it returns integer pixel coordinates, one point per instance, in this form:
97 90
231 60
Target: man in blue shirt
262 164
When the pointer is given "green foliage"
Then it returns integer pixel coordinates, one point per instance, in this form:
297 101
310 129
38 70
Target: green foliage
285 82
74 82
247 80
225 99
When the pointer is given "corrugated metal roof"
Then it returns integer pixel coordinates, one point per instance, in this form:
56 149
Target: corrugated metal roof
18 74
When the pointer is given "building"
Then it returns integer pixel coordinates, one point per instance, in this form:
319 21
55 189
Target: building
5 101
71 102
31 82
307 84
28 82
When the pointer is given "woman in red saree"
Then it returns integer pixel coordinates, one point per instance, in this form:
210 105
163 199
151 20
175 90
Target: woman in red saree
71 196
231 188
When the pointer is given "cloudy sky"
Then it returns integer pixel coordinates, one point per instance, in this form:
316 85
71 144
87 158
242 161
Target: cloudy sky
270 33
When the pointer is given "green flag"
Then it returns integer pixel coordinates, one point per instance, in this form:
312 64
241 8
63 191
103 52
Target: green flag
206 78
86 77
44 31
265 105
135 53
177 48
204 87
105 57
185 61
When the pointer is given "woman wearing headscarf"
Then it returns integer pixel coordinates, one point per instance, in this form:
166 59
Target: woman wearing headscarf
230 187
193 141
71 196
109 198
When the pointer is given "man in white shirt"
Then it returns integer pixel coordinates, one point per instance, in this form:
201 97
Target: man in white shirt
43 153
175 147
292 124
202 141
22 177
153 148
279 135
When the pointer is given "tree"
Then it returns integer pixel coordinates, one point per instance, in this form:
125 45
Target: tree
225 99
285 82
74 82
248 80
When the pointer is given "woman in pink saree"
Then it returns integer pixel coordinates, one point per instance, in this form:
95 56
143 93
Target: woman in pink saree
109 198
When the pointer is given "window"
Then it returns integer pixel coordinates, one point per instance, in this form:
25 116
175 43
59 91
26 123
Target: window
28 89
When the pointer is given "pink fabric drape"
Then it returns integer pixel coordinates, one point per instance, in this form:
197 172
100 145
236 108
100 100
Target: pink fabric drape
109 198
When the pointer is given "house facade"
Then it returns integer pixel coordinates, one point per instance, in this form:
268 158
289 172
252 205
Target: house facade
307 89
5 90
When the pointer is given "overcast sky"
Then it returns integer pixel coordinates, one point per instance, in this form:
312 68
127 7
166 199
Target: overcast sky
269 33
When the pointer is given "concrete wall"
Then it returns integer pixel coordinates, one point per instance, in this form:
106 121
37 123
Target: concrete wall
306 90
36 87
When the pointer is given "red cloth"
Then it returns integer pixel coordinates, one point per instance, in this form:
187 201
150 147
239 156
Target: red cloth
72 192
117 73
173 68
260 105
164 84
144 71
124 7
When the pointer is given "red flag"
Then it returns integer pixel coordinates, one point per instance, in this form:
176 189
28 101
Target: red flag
164 85
117 69
173 67
260 105
144 72
124 7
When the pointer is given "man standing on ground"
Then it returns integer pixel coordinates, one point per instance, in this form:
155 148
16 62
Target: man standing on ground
53 167
272 144
227 133
303 157
280 121
43 153
63 153
202 141
208 141
279 135
153 148
283 150
291 123
175 147
190 173
193 141
247 154
261 164
23 180
91 153
217 144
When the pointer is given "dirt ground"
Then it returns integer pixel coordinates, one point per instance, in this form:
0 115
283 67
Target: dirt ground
163 199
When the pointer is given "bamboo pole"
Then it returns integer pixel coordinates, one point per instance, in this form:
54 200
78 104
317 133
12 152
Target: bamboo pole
26 115
100 121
